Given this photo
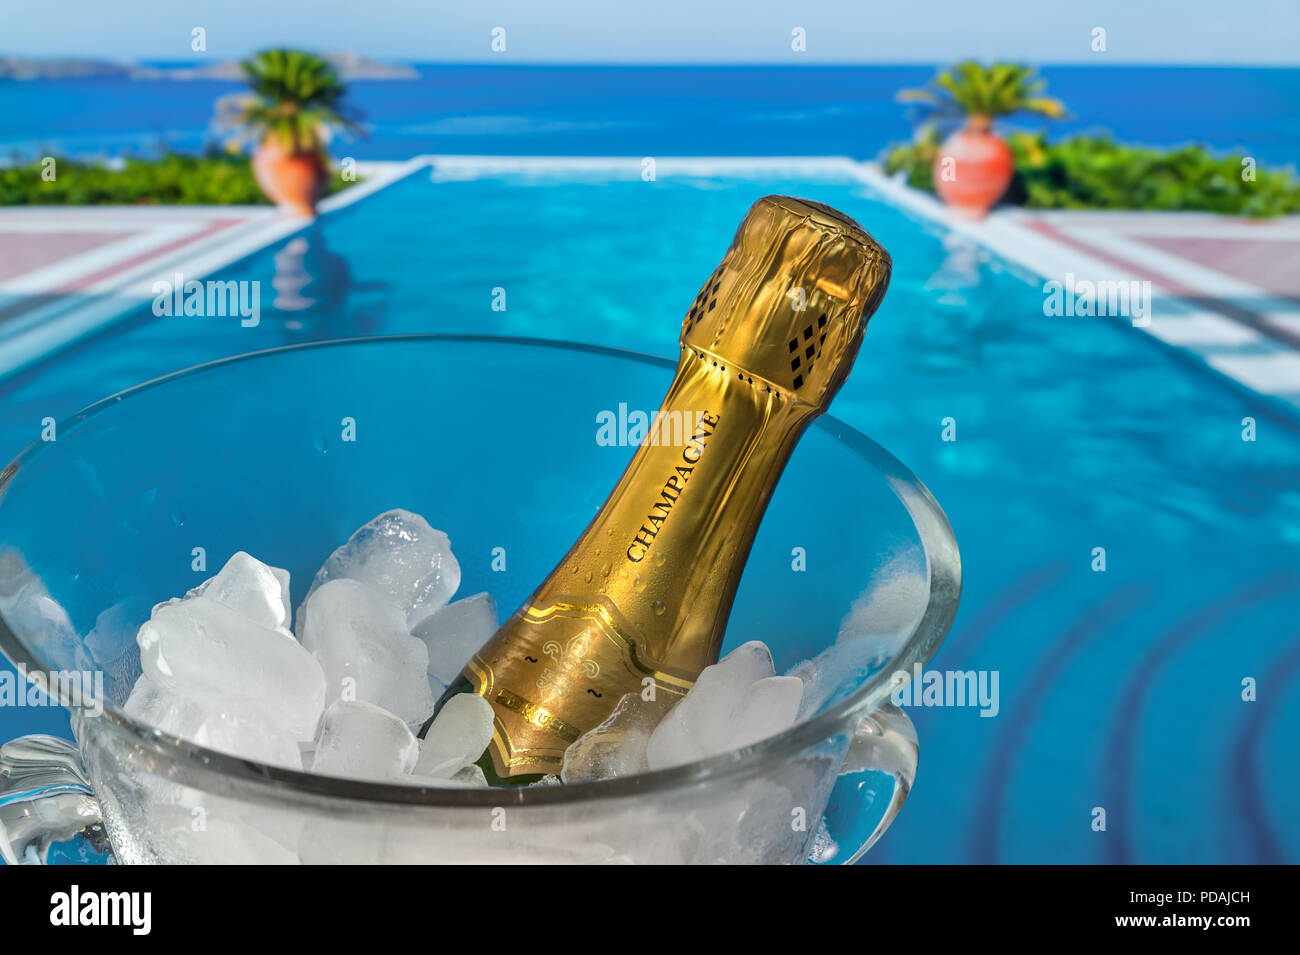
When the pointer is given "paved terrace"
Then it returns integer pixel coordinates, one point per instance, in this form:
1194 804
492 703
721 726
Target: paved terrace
1225 291
67 271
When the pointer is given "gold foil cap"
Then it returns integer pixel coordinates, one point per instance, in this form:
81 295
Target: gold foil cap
787 306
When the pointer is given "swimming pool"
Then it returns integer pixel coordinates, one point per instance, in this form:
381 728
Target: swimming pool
1120 689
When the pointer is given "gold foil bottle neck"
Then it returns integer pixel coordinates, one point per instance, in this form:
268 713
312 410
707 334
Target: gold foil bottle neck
789 302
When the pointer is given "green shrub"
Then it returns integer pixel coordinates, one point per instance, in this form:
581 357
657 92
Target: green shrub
1095 172
915 159
175 179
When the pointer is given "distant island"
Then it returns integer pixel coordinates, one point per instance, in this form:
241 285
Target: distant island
350 66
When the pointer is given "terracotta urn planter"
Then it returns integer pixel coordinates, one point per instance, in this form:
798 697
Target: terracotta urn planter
973 169
293 181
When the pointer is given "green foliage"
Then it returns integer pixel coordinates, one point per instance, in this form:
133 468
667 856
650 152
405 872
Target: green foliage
172 180
1094 172
296 102
971 89
915 159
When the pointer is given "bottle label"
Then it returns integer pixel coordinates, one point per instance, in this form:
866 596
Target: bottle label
572 656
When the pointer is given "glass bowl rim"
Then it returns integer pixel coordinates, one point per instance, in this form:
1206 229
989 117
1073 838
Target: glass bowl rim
943 565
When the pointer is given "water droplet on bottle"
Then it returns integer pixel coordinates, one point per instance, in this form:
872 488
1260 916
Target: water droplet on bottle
587 577
660 558
178 518
638 582
604 571
658 608
322 445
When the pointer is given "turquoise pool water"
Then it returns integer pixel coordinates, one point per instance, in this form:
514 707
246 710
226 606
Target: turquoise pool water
1119 689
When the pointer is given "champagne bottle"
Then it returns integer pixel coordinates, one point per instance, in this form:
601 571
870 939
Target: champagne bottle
641 600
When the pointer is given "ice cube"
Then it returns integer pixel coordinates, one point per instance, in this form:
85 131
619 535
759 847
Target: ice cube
363 741
252 589
111 643
149 705
617 747
232 725
455 633
457 737
841 668
282 576
748 663
362 643
400 556
470 776
735 702
203 650
686 733
769 706
246 732
113 636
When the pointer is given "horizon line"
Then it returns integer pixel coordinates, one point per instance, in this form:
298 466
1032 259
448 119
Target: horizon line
672 64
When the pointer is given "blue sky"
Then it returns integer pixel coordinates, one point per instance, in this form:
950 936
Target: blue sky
1254 32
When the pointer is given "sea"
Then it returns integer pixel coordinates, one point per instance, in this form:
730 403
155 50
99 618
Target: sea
661 110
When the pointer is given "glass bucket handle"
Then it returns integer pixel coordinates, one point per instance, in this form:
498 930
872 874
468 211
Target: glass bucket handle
45 798
882 755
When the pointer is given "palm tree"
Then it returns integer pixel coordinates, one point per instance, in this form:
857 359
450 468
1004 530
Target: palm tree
297 100
974 166
295 107
979 94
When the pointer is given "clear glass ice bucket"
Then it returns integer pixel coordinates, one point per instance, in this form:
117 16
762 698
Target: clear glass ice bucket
284 453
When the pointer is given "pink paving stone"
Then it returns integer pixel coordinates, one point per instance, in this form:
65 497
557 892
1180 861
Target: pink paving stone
87 279
1271 264
23 252
1135 269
